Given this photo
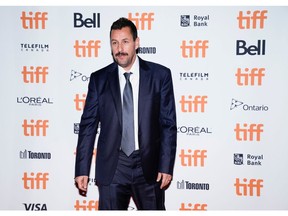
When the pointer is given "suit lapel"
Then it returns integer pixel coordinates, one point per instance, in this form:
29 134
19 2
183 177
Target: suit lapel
114 84
145 76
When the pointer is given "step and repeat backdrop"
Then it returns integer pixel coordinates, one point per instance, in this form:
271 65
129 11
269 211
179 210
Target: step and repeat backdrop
229 67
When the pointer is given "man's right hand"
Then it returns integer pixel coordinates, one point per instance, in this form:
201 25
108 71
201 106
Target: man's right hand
82 183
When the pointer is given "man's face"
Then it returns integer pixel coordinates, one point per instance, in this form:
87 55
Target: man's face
123 47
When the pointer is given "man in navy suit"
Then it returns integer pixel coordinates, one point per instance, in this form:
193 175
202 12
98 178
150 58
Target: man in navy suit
144 174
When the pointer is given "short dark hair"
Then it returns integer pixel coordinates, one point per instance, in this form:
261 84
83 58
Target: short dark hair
124 22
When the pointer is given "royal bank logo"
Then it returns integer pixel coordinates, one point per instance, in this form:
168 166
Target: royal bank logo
247 107
79 76
76 128
238 159
194 20
248 159
185 20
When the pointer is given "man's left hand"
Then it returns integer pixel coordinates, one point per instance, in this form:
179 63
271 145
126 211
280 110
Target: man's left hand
166 179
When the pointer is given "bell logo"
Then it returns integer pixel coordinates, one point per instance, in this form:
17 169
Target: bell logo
191 207
248 132
250 77
93 22
248 188
80 102
38 181
258 49
193 158
87 49
196 104
35 128
140 20
34 21
34 74
252 20
192 50
86 205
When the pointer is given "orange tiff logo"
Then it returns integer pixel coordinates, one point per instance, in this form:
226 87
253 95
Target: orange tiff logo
86 205
193 158
34 20
87 49
80 102
252 20
248 188
196 104
191 49
35 181
35 128
250 77
140 20
191 207
34 74
248 132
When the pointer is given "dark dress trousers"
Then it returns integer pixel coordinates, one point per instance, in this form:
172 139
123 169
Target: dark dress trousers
156 123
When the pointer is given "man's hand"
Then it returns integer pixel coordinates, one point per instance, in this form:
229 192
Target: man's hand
82 183
166 179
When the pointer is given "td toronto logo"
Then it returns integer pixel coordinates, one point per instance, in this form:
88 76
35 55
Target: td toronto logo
77 75
235 104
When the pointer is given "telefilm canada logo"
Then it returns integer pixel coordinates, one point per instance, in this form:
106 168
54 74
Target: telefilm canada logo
34 47
193 76
247 107
194 20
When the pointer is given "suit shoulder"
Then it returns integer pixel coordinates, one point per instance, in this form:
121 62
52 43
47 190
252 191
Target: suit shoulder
157 66
103 71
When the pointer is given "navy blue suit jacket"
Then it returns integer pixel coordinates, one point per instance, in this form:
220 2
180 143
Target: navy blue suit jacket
156 118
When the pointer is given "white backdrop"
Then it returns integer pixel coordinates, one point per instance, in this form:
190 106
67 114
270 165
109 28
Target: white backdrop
231 108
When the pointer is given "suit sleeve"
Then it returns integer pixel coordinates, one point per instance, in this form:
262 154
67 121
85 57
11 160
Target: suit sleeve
168 126
88 130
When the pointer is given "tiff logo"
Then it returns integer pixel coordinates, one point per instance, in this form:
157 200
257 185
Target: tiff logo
80 102
248 188
34 74
193 158
140 20
252 20
248 132
196 104
191 207
38 182
250 77
38 128
192 50
87 49
86 205
34 21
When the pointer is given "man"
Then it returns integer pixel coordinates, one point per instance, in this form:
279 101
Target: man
148 124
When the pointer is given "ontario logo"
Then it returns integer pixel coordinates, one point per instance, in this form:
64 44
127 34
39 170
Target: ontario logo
247 107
